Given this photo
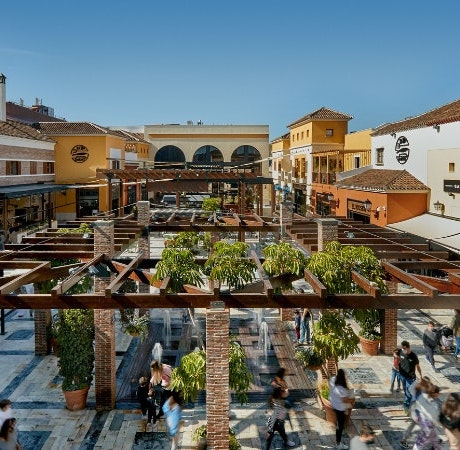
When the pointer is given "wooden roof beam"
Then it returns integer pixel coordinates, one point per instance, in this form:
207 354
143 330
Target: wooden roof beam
123 276
454 278
164 286
316 285
22 279
268 287
410 279
369 286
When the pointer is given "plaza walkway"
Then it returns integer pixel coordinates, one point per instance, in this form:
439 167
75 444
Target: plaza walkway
33 385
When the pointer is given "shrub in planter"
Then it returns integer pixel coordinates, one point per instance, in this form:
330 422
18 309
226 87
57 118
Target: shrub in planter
200 434
310 358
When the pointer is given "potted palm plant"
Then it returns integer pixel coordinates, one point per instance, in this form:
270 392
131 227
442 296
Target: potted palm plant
310 358
76 357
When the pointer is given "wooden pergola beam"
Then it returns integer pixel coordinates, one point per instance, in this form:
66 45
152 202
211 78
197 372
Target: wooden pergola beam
316 285
123 276
410 279
24 278
268 288
369 286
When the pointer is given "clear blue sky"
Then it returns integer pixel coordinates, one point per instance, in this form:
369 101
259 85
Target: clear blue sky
231 62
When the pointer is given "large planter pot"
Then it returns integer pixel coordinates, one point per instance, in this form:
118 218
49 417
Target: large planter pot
326 405
369 346
76 400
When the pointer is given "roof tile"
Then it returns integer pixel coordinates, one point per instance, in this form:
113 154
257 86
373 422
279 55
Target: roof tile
321 114
20 130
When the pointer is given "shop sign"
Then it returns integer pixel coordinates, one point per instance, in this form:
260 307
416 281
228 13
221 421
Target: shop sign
357 206
79 153
402 150
452 186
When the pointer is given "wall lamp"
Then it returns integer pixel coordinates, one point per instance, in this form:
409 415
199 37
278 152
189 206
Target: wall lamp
330 197
436 127
368 205
438 206
451 194
393 135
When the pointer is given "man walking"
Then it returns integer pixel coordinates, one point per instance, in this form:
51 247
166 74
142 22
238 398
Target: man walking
408 364
305 327
430 342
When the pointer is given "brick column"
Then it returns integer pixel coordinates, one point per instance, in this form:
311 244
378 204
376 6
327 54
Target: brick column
328 230
287 314
389 324
104 322
217 376
143 244
42 319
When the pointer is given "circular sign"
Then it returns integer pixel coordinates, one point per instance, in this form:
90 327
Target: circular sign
79 153
402 150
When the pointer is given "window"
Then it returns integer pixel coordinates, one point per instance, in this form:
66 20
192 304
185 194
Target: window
13 168
308 133
452 167
357 162
379 157
329 132
48 167
115 164
33 167
301 135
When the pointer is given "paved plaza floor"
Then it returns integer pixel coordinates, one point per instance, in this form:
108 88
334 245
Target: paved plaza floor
33 385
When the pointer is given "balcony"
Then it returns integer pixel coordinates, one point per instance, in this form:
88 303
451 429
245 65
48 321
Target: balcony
324 178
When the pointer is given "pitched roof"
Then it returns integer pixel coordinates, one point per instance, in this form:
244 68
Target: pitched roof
383 180
444 114
321 114
20 130
280 138
26 115
72 128
130 136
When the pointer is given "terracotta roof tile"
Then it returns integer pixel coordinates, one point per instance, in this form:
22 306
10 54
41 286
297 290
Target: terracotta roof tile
130 136
321 114
444 114
72 128
383 180
21 130
24 114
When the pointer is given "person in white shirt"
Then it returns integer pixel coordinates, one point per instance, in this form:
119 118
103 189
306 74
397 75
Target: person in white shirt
5 410
340 397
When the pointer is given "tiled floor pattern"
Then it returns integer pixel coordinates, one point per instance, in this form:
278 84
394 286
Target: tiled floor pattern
32 383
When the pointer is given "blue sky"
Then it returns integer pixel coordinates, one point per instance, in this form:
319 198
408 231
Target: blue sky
231 62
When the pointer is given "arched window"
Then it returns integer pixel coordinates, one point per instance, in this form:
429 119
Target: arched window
208 153
247 154
169 157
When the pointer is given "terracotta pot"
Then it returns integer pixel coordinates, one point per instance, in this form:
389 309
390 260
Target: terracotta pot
329 410
369 346
76 400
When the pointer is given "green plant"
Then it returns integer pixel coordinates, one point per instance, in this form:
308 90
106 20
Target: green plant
229 264
180 266
84 228
134 324
185 240
368 320
211 204
190 376
323 389
201 433
309 357
76 343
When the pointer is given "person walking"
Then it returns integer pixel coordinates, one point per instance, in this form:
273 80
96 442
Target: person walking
408 365
5 410
450 419
340 398
430 342
161 374
277 419
297 319
145 394
305 327
455 325
9 435
172 410
362 441
395 371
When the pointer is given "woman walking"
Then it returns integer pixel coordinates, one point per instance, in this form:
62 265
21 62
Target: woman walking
341 399
276 420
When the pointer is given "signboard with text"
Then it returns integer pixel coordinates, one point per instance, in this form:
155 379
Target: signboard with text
452 186
357 206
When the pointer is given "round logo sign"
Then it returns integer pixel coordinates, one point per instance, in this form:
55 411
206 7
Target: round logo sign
402 150
79 153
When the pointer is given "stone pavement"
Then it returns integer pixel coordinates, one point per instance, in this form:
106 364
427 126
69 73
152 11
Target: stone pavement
33 385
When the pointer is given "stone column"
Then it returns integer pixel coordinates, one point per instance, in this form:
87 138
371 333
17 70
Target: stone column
143 244
217 376
42 319
328 230
389 324
104 322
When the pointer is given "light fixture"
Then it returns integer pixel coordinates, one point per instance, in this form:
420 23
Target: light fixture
393 134
451 194
436 127
438 206
330 196
367 205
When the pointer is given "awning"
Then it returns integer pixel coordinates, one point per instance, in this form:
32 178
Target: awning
29 189
438 229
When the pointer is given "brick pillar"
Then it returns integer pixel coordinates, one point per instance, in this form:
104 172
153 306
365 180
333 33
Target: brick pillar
217 376
328 230
143 244
104 322
287 314
42 319
389 324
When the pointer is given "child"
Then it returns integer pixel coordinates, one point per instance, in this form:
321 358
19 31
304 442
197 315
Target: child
5 410
146 395
173 412
297 325
395 370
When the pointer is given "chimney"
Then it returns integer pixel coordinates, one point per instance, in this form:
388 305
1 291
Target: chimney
2 98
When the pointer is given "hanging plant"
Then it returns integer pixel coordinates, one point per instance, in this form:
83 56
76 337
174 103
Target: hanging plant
134 324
